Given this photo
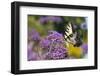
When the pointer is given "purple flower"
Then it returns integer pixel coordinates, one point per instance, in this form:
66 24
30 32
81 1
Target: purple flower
30 45
34 35
54 19
55 38
43 20
45 43
53 46
60 41
51 32
32 55
85 48
57 53
83 26
46 19
53 35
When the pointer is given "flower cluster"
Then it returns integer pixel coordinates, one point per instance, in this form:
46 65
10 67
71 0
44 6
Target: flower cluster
54 41
52 38
45 43
33 35
84 25
52 46
57 53
85 48
45 19
53 35
32 55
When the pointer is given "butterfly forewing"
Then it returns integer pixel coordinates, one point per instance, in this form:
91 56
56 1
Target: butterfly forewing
68 30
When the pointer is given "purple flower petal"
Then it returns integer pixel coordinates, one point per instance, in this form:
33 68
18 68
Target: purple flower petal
54 19
32 55
83 26
54 35
85 48
43 20
58 53
45 43
34 35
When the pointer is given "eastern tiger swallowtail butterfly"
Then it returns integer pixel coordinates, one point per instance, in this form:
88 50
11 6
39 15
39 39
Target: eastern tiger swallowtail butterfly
72 36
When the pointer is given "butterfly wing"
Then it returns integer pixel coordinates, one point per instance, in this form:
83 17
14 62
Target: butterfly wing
71 36
68 30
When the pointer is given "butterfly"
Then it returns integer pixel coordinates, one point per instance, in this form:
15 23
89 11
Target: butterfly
72 36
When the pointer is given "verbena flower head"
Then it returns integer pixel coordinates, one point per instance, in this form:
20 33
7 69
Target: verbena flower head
53 44
31 55
30 45
43 20
53 35
54 19
46 19
85 48
34 35
45 43
58 53
83 26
